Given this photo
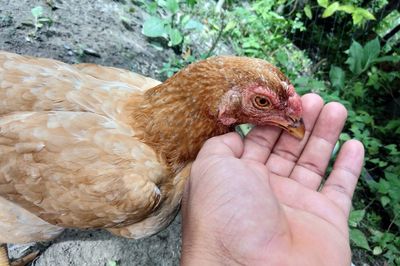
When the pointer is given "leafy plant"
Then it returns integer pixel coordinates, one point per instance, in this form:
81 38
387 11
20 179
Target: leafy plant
362 58
112 263
176 63
366 86
171 25
258 31
358 14
39 20
357 236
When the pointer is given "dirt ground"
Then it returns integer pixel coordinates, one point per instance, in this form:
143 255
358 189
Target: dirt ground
91 31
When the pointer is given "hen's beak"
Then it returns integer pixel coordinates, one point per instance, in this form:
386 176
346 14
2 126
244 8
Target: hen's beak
296 129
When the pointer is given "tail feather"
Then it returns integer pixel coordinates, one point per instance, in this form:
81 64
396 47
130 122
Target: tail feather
4 256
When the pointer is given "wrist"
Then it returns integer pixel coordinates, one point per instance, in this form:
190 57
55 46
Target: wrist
203 244
200 248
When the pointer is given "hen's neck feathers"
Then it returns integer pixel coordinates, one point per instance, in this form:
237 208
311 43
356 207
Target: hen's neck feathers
177 116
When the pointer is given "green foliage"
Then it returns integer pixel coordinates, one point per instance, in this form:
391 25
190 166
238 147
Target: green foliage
39 19
387 245
171 26
359 239
388 189
260 31
362 58
385 26
337 77
358 14
154 27
177 63
307 11
112 263
367 88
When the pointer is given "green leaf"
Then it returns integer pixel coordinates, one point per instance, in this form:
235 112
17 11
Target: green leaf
377 251
175 37
184 20
37 11
337 76
385 200
151 7
307 11
332 8
112 263
347 8
344 137
172 6
323 3
282 57
371 51
365 13
358 238
360 15
193 24
154 27
335 149
357 18
358 89
356 217
45 20
243 129
355 59
388 58
191 3
231 25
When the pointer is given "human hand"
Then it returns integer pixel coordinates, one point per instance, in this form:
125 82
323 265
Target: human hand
258 201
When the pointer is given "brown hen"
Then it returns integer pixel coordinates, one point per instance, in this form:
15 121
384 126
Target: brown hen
87 146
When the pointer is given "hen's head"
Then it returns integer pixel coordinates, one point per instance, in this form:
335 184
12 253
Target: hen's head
253 91
208 98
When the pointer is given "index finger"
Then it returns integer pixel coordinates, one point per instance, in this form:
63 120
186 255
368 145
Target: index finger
229 144
310 167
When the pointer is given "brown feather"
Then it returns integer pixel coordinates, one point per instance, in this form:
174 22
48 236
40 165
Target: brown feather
88 146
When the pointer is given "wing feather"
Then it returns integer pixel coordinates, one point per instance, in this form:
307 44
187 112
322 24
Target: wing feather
38 84
71 170
112 74
66 154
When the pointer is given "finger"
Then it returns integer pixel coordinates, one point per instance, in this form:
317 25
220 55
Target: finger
259 143
229 144
311 166
287 150
342 181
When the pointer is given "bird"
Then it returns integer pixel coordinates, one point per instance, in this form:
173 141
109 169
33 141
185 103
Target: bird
89 146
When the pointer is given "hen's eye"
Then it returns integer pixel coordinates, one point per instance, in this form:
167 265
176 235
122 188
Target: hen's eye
261 102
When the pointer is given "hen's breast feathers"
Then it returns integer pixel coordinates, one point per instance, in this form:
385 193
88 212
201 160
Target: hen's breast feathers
66 153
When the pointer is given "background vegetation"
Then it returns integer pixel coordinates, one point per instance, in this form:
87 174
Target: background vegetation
346 51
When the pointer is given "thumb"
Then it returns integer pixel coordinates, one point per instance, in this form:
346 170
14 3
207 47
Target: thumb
229 144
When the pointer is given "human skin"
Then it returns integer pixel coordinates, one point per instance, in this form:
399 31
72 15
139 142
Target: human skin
258 201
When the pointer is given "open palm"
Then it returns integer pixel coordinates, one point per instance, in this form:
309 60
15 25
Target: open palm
258 201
